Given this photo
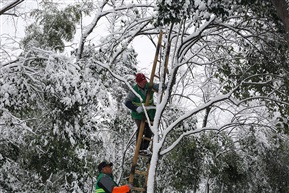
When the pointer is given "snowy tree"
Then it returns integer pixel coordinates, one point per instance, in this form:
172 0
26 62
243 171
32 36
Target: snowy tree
226 87
283 13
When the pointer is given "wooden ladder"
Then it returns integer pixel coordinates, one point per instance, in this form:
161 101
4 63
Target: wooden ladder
141 129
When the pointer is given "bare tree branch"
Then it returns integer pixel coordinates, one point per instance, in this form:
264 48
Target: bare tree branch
10 6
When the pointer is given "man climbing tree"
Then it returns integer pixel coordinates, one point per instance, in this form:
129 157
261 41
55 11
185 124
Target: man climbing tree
137 112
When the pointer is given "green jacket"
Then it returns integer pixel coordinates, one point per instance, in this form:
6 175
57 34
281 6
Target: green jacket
104 181
136 101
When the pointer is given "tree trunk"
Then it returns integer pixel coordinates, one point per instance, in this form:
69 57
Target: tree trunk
282 8
207 187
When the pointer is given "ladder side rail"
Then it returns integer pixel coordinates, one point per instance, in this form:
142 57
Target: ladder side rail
135 157
154 65
146 176
142 125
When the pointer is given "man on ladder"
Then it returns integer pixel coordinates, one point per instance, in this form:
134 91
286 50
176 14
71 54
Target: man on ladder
137 112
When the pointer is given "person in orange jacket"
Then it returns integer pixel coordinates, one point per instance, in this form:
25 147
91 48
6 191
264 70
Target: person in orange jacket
105 182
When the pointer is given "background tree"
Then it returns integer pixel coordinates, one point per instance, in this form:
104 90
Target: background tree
66 110
283 14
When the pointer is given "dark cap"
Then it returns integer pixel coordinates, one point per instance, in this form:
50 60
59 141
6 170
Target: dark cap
102 165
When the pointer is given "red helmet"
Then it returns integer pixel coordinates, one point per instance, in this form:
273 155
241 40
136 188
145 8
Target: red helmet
140 77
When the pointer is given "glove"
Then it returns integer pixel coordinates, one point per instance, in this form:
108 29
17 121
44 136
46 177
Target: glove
139 110
130 186
150 107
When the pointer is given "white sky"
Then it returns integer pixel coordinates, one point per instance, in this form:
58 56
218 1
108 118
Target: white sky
146 54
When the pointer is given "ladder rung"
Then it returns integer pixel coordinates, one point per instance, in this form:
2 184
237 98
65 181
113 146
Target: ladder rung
148 139
139 189
141 172
156 76
145 155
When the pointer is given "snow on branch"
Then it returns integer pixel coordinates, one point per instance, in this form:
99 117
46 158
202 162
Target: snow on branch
196 110
176 142
16 121
97 17
192 38
131 38
120 78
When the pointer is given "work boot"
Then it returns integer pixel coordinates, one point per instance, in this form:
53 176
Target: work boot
146 152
